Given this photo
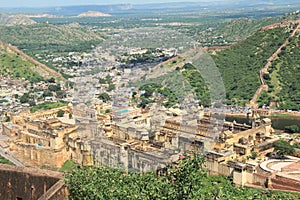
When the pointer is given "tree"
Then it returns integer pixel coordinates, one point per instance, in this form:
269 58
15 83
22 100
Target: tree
61 94
51 80
104 97
32 103
25 98
7 118
111 87
54 88
133 94
18 75
187 179
292 129
47 93
60 113
253 155
282 147
266 77
102 81
70 116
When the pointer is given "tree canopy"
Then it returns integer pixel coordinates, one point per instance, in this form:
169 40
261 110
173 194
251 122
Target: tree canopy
283 147
187 179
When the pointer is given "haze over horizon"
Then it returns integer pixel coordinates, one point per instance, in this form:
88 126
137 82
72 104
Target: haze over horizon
53 3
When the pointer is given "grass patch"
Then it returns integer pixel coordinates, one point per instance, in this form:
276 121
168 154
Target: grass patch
275 82
282 115
47 106
5 161
68 166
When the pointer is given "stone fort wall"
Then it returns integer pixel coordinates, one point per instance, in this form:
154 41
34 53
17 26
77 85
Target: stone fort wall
23 183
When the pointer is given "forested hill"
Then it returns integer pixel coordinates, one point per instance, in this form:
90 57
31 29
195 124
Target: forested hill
16 64
10 19
49 38
284 75
244 72
240 66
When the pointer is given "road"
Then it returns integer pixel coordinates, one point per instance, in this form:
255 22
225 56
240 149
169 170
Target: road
10 158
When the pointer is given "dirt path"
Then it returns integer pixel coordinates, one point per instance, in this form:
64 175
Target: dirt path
264 70
32 60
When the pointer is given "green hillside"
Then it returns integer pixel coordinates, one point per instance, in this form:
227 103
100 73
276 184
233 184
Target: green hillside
238 29
48 38
283 81
240 65
174 86
14 65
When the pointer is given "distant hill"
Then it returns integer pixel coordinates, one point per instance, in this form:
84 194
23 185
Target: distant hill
218 4
69 10
93 14
11 20
48 38
41 16
77 10
262 6
16 64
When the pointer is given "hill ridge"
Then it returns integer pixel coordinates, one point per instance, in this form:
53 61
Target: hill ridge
264 70
32 60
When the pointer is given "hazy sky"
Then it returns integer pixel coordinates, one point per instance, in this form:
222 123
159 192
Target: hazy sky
41 3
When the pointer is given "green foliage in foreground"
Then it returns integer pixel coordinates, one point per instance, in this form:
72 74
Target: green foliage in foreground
188 180
47 106
5 161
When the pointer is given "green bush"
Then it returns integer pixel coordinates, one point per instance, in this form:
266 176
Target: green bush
292 129
60 113
187 180
282 147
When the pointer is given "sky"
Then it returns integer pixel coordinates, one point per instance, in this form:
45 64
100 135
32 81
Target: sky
46 3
